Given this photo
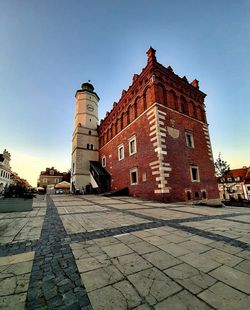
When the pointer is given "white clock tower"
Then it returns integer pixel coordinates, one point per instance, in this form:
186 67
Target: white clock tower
85 136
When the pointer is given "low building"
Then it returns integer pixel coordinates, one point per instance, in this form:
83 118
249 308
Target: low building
5 170
52 176
235 184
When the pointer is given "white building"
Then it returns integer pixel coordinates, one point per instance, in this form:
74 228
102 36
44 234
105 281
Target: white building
85 137
5 170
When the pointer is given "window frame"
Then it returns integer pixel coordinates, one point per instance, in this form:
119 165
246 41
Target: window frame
190 134
129 145
104 161
134 170
120 147
191 173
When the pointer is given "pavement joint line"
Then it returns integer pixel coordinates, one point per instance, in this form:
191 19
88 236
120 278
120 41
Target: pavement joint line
20 247
41 287
237 221
54 264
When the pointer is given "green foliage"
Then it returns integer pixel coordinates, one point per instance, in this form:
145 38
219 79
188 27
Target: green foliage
221 166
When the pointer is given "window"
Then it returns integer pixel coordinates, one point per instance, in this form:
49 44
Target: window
132 146
194 174
87 146
73 167
204 195
189 139
196 195
89 132
56 180
188 195
44 180
133 176
121 152
104 161
91 146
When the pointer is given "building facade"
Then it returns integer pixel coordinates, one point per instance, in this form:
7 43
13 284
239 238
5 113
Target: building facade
52 176
155 140
235 184
5 170
85 136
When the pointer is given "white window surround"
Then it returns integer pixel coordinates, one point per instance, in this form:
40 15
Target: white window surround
189 139
104 161
132 145
134 176
194 172
120 152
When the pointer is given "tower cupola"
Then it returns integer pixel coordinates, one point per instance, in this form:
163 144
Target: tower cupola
88 86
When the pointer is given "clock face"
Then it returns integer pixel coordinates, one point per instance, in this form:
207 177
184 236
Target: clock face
90 108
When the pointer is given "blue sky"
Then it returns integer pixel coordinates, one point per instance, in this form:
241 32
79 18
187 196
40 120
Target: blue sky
48 48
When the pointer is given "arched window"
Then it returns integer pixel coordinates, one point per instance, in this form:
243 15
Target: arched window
89 132
183 105
161 94
147 98
204 195
91 146
172 100
128 116
135 108
87 146
188 195
121 121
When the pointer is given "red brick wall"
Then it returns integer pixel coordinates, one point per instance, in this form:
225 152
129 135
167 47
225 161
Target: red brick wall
184 105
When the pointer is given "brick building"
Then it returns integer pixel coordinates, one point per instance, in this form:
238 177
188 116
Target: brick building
155 140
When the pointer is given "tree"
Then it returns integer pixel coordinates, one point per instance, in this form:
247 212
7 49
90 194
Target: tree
221 169
221 166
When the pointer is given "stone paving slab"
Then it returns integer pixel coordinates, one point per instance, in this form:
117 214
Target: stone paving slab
94 252
14 280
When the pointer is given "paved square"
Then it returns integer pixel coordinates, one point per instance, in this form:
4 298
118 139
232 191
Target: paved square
94 252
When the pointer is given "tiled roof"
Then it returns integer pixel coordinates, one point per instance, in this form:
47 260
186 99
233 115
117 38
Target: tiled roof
242 172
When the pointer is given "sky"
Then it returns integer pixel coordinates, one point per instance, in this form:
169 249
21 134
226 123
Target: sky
49 48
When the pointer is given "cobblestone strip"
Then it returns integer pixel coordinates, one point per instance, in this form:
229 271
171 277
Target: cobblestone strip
210 235
83 236
155 222
18 247
155 219
55 282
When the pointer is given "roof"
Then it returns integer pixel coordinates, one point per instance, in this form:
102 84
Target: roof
242 173
237 173
98 168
